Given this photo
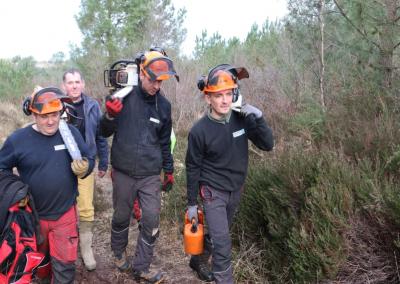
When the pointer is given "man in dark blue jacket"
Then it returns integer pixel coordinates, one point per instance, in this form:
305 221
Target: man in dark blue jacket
140 150
86 116
40 155
216 165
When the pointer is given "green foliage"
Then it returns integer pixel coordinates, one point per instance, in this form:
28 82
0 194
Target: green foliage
16 76
297 211
115 26
309 122
175 201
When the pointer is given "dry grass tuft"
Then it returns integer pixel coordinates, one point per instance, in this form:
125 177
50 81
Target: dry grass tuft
12 118
371 255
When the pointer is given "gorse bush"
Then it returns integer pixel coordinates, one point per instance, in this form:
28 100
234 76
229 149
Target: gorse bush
297 211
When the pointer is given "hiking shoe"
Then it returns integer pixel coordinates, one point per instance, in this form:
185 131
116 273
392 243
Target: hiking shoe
150 276
122 262
201 268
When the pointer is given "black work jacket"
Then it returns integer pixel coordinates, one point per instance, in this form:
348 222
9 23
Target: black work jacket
142 135
217 153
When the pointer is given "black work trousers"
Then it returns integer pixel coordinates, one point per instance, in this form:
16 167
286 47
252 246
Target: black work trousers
219 209
125 190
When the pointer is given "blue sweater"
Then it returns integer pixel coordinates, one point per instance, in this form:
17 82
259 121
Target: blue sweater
96 143
44 163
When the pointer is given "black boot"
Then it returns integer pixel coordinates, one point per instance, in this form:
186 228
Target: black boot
199 263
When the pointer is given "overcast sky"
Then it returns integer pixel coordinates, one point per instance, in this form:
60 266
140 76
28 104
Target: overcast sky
40 28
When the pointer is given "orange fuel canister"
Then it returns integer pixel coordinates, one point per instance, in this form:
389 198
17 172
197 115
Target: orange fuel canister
193 235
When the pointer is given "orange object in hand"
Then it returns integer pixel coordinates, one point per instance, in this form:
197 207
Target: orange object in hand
193 235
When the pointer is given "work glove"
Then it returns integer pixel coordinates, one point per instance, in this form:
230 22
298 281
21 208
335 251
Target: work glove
192 213
137 212
168 182
113 107
249 109
80 167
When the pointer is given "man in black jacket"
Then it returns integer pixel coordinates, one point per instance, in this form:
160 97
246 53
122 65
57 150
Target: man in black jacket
140 150
216 165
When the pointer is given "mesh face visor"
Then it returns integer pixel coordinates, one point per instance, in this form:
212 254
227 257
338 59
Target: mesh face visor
46 102
220 81
160 68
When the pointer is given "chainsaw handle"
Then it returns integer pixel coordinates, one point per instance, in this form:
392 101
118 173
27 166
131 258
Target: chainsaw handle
193 228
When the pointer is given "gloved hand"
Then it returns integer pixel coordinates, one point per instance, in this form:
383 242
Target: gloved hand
249 109
168 182
193 214
113 107
80 167
137 212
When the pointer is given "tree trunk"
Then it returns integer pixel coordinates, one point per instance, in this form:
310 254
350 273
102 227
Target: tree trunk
321 53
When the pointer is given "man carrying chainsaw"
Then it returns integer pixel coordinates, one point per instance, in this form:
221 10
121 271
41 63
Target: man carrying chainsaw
85 115
216 165
40 155
141 125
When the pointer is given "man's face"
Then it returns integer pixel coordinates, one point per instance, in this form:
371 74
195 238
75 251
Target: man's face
73 86
47 124
150 87
220 102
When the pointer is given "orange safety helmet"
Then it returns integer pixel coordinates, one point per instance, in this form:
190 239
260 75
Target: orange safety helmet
45 100
220 81
222 77
156 66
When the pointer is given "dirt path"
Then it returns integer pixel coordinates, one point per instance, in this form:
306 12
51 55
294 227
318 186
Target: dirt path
169 254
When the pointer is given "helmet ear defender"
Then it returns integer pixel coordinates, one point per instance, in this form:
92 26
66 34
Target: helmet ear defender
201 83
203 80
29 101
25 106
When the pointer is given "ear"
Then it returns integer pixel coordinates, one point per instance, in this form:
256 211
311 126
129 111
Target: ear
62 87
207 99
142 76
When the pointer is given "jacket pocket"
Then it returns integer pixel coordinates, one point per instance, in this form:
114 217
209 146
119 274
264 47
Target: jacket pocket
149 160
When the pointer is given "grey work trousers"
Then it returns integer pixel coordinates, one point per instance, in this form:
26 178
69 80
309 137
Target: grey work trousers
219 209
125 191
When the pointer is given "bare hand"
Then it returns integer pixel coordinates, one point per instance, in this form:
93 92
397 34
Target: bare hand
101 174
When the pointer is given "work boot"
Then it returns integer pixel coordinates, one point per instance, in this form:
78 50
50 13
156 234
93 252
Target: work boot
199 263
122 262
85 244
149 276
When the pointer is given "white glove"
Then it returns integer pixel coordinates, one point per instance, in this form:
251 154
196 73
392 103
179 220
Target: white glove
249 109
192 213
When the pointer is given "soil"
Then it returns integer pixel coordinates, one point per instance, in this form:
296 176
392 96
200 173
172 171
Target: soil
169 254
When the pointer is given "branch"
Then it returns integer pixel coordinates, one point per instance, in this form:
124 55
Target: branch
363 34
396 45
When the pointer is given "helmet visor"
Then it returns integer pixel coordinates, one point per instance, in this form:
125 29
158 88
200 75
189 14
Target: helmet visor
159 69
46 103
220 81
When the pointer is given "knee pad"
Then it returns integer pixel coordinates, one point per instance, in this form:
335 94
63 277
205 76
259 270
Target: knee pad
222 253
150 227
119 227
